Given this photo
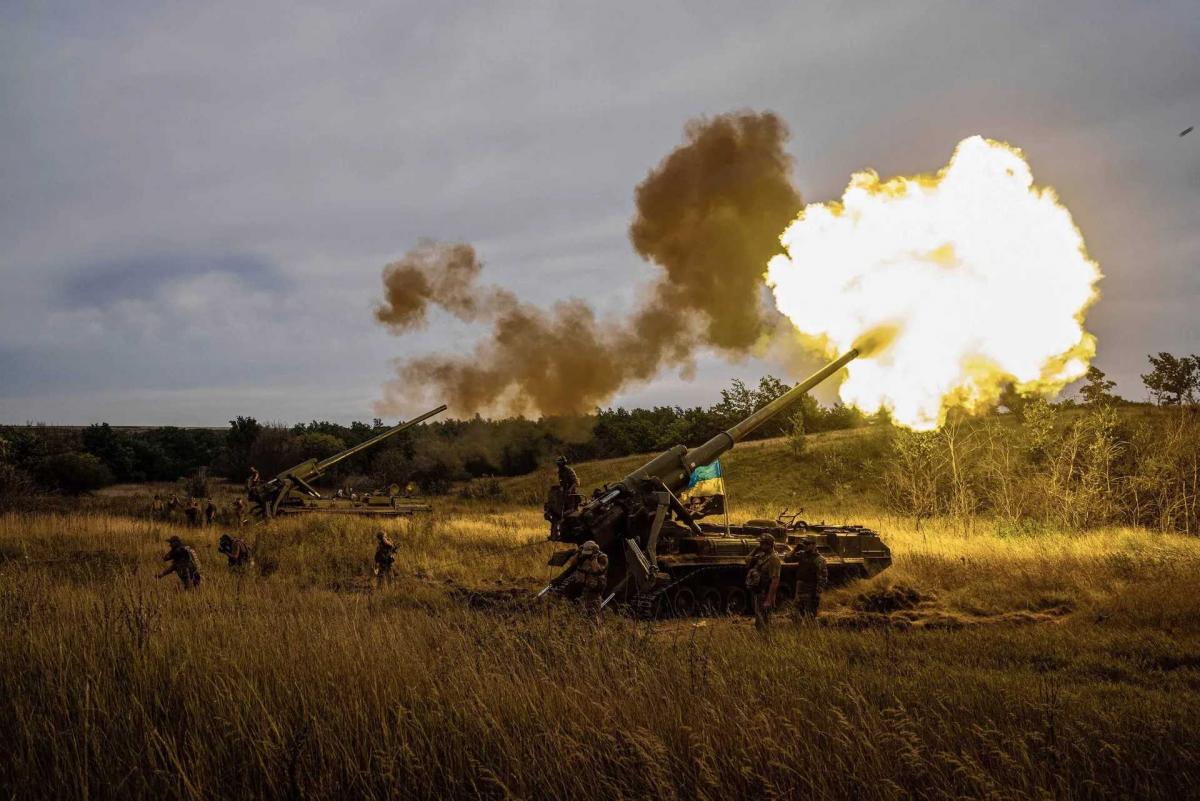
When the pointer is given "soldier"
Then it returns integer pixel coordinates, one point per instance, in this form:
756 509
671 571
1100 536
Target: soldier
763 568
812 575
591 573
157 507
239 511
385 557
192 510
172 505
210 513
236 551
567 479
184 564
254 480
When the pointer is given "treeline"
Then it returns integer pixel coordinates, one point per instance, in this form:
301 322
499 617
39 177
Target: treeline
433 455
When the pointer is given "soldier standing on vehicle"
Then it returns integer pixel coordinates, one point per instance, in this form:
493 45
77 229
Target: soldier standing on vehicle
385 557
184 563
763 568
591 573
210 513
812 576
192 510
236 551
567 478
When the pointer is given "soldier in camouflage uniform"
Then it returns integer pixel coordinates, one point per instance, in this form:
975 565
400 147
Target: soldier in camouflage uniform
385 557
239 511
568 482
236 551
210 513
157 508
591 573
763 569
192 510
812 576
184 563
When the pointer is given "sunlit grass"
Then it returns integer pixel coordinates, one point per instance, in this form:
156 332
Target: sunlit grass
306 682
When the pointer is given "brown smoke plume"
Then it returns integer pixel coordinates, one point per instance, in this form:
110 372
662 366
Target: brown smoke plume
710 215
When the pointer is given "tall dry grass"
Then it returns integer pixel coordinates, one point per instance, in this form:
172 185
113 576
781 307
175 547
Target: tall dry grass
306 684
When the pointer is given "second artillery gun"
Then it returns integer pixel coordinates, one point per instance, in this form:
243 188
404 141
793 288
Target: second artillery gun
662 561
291 492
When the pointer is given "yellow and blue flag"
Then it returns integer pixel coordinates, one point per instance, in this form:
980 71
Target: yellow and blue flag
705 493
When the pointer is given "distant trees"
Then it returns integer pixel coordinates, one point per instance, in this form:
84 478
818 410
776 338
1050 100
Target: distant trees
239 443
74 473
1097 389
1173 381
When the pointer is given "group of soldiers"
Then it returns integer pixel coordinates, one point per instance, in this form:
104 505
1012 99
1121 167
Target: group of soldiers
185 564
764 567
193 513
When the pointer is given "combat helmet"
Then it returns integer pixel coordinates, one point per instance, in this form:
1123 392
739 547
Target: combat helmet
590 547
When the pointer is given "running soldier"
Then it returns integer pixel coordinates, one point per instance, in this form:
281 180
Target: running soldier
812 576
184 563
591 573
158 509
385 557
236 551
763 568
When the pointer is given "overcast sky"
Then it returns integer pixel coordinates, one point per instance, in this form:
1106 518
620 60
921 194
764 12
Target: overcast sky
196 199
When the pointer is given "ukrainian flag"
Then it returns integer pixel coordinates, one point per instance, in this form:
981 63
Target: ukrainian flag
706 481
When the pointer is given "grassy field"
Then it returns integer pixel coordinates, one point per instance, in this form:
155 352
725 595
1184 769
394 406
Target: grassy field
1054 665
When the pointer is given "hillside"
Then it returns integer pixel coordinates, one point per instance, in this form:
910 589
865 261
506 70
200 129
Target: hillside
762 476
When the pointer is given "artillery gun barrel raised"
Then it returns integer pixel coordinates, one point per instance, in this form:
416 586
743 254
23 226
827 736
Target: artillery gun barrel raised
312 468
661 560
325 464
673 467
277 493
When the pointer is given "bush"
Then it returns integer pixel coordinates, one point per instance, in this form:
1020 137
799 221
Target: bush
74 473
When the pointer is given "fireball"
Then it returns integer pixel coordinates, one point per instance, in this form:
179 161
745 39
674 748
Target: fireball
981 278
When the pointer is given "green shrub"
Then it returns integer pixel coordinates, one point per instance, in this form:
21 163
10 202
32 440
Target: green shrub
74 473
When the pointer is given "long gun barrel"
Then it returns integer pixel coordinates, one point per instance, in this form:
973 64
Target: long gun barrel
312 469
674 467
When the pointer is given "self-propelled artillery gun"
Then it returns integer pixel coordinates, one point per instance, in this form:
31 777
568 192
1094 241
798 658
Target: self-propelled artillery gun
663 561
291 492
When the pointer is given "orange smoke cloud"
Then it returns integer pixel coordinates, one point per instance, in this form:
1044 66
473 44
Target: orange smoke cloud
709 215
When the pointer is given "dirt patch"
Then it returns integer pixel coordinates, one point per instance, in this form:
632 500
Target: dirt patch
882 600
928 616
502 600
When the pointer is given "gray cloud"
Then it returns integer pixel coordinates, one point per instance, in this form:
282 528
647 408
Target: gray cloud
144 276
327 143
